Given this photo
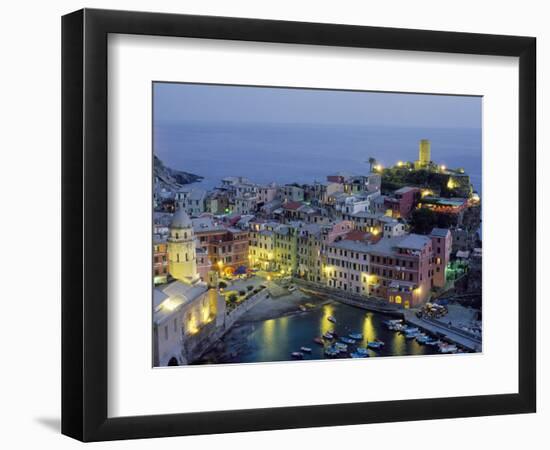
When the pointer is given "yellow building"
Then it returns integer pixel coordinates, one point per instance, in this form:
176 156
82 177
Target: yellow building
261 249
424 154
182 257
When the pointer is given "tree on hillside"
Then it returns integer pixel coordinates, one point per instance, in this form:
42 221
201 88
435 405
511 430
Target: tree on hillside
372 162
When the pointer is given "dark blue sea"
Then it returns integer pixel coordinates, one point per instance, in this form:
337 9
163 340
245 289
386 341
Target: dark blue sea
303 153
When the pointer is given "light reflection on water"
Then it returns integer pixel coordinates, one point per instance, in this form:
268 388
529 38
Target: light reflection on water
276 339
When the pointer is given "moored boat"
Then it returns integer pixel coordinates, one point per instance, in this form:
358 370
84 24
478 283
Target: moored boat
332 351
375 344
297 355
347 340
331 319
356 336
328 335
305 349
358 355
422 338
319 341
341 347
447 348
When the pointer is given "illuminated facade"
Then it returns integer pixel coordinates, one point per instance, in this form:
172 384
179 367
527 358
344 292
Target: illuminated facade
424 154
160 260
183 317
401 269
182 258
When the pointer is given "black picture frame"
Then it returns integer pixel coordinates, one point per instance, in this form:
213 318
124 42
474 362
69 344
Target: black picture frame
84 224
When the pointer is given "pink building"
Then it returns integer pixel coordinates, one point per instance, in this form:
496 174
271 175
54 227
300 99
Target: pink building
204 265
401 270
442 243
403 201
337 230
266 194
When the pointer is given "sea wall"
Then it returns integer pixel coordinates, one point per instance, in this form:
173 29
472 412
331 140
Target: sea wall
195 346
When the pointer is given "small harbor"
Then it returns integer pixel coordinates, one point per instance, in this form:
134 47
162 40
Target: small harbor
316 328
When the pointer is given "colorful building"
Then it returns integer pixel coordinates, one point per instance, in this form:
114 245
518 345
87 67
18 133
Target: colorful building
261 247
346 266
285 242
442 243
402 202
401 270
160 260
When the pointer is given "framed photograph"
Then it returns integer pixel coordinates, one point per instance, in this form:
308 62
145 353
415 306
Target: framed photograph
273 224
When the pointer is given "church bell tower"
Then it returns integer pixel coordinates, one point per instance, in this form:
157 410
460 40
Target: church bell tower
182 256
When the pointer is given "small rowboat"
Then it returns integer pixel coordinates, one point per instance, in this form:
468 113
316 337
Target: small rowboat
331 319
297 355
356 336
319 341
305 349
346 340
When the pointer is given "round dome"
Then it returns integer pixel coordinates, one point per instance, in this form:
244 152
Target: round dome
181 219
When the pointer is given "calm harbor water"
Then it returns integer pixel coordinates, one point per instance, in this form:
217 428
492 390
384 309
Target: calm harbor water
276 339
286 152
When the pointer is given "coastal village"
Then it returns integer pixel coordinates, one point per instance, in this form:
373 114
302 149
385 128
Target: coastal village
403 241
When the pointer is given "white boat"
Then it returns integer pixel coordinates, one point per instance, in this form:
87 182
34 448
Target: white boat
297 355
331 319
411 334
408 329
422 338
341 347
375 344
305 349
328 335
448 348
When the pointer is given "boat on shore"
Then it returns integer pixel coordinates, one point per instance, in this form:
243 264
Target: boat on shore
448 348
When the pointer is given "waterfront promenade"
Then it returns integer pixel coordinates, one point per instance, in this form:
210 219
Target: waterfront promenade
450 333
